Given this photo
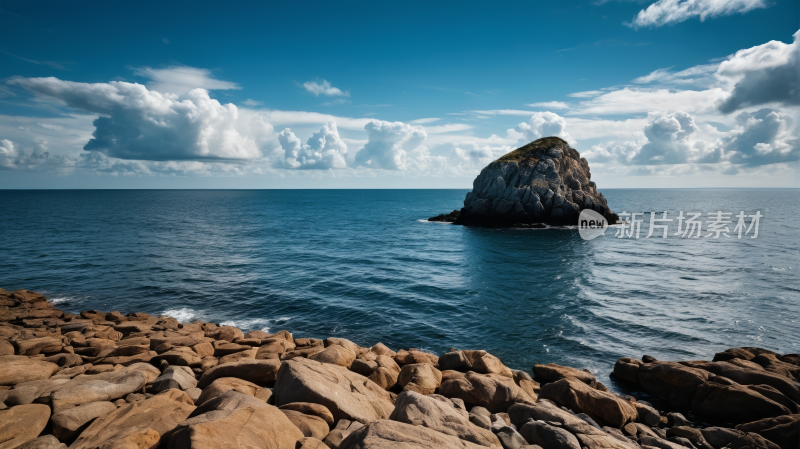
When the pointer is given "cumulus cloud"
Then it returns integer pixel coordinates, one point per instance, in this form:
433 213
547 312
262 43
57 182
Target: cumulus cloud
762 74
324 149
180 79
543 124
137 123
668 140
764 137
324 88
393 146
665 12
12 157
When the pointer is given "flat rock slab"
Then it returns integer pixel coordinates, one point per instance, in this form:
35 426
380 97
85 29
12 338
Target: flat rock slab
69 423
395 435
100 387
16 369
160 413
257 371
249 427
346 394
21 424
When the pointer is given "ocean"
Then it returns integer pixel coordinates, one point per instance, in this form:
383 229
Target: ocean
365 265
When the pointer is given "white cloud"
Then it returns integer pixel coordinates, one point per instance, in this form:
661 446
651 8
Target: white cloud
668 140
503 112
280 118
698 75
324 149
549 105
393 146
642 100
763 74
251 102
324 88
449 128
137 123
543 124
421 121
764 137
181 79
665 12
586 94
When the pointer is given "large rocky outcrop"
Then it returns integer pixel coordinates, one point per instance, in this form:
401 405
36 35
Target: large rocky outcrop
545 181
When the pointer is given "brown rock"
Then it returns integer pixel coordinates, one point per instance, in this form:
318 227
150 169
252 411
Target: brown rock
6 348
342 430
734 402
386 434
181 356
227 333
404 357
21 424
346 394
495 392
248 354
783 430
249 427
303 352
602 406
100 387
519 414
36 346
65 360
553 373
419 410
44 442
310 443
274 346
381 349
311 426
386 372
423 378
138 439
16 369
720 437
257 371
230 400
744 376
770 362
203 350
160 413
67 424
309 408
671 381
336 355
225 384
477 361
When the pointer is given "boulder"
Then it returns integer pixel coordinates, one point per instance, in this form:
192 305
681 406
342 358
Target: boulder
493 391
404 357
733 402
21 424
745 376
100 387
346 394
67 424
227 333
160 414
423 378
336 355
510 438
309 408
386 372
257 371
225 384
600 405
180 377
382 349
343 429
720 437
550 437
477 361
384 434
783 430
310 443
246 427
138 439
420 410
36 346
16 369
229 400
247 354
552 373
44 442
311 426
671 381
27 392
543 411
544 181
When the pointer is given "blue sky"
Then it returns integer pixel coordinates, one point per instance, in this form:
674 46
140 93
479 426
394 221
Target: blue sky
671 93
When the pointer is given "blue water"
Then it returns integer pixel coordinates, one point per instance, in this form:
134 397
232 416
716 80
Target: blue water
360 264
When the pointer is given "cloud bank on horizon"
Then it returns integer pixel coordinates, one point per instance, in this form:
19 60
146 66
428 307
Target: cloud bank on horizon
737 114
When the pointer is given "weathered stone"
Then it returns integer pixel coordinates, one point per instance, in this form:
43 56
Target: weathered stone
602 406
100 387
310 443
311 426
419 410
553 372
671 381
309 408
44 442
423 378
381 349
225 384
257 371
783 430
543 411
21 424
342 430
346 394
404 357
160 413
734 402
181 376
493 391
27 392
385 434
229 400
67 424
720 437
551 437
386 373
65 360
16 369
248 354
478 361
247 427
336 355
227 333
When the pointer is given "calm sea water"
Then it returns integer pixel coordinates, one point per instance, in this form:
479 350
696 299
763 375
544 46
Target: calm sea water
363 265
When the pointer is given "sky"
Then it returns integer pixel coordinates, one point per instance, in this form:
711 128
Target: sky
666 93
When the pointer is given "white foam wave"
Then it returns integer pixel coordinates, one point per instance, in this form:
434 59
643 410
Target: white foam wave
183 315
262 324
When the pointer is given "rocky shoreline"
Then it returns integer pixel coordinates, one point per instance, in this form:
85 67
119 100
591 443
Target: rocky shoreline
108 380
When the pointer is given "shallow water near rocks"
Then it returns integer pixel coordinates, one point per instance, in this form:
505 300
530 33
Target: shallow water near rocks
360 264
